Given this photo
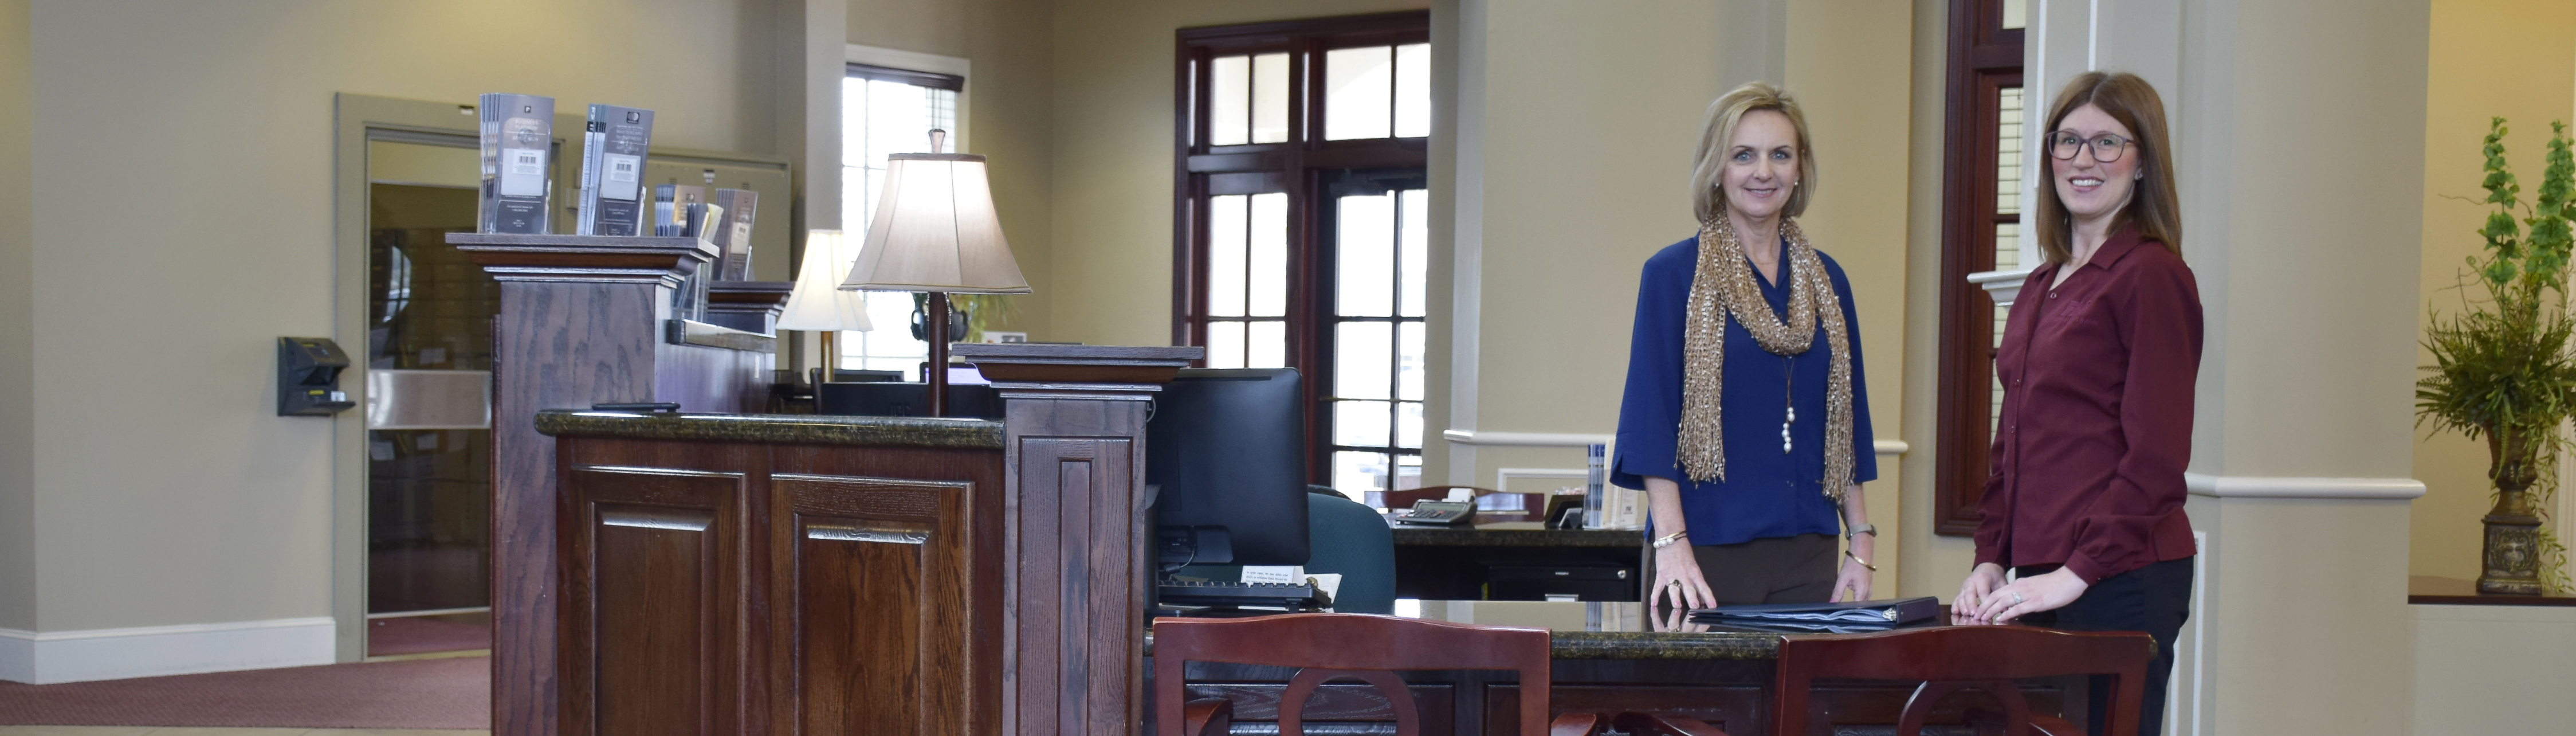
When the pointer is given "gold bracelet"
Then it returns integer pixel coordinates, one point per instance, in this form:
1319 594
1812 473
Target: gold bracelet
1667 540
1863 563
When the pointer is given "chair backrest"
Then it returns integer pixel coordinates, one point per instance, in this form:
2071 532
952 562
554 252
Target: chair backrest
1948 659
1349 539
1324 646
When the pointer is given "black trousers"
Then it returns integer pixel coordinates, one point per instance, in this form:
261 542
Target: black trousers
2155 599
1797 569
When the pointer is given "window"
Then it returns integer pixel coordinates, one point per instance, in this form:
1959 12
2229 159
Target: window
1381 242
885 111
1300 225
1981 232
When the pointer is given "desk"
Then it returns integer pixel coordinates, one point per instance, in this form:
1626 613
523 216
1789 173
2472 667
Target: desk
1608 659
1465 562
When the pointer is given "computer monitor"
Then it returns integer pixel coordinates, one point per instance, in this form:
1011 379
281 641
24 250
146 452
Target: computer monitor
904 399
1226 451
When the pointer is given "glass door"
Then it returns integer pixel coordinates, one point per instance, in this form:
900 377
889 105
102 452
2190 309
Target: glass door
428 355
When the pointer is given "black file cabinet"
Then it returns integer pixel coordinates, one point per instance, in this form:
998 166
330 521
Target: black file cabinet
1539 582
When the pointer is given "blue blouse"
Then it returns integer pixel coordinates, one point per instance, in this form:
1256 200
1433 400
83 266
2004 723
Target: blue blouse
1767 493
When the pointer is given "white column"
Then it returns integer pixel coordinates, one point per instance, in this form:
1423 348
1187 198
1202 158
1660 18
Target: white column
2303 442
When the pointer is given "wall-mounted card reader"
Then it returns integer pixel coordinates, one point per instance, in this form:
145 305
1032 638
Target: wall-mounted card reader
308 377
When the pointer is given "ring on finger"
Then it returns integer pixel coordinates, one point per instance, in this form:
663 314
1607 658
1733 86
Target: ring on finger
2017 599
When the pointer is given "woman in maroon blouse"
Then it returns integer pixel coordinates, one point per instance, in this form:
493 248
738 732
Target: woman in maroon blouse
2084 499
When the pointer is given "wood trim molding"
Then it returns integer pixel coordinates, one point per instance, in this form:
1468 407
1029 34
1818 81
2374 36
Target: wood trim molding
1983 59
1576 439
2248 486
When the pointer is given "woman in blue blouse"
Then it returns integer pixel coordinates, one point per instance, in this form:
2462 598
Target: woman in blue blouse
1745 419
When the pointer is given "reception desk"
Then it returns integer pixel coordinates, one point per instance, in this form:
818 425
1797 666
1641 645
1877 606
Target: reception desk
846 575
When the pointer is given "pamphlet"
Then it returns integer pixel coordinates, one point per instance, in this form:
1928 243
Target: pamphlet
734 239
518 171
671 208
612 170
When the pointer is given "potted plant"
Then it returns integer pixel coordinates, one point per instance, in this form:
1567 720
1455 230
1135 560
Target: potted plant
2502 369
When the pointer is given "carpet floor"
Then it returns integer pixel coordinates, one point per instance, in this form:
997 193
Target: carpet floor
392 636
454 693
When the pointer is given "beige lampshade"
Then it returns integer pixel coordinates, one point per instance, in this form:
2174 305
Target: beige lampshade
935 230
816 304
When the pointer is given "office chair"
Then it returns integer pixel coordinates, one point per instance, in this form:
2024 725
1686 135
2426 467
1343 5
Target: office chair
1345 538
1349 538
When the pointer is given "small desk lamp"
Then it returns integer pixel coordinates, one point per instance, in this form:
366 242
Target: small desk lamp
816 303
935 231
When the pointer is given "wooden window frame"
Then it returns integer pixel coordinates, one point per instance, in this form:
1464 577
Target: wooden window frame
1984 58
1297 167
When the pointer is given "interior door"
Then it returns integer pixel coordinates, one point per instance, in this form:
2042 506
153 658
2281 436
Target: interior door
428 362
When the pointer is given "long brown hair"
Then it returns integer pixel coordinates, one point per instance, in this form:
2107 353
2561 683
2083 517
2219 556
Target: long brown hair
2153 208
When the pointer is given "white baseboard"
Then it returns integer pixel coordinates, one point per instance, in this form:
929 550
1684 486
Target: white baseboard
44 658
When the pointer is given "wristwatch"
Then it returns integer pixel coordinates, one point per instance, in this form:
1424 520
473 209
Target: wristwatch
1860 529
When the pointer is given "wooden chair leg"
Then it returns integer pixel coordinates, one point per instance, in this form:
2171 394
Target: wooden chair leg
1210 717
1664 724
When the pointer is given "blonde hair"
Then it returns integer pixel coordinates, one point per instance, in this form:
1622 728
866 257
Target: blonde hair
1708 173
2153 207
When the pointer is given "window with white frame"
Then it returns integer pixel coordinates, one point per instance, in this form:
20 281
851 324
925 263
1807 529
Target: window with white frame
885 111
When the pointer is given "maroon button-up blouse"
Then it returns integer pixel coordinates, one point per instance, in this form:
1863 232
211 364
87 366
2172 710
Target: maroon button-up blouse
2097 375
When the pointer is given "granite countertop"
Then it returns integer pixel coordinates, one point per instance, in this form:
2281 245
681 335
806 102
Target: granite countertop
1592 630
1497 536
802 429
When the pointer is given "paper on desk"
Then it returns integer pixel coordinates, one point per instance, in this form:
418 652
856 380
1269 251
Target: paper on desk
1283 574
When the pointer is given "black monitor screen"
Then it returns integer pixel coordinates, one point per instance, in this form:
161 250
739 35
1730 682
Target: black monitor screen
1227 447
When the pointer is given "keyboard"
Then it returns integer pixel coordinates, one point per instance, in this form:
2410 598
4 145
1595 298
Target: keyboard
1292 596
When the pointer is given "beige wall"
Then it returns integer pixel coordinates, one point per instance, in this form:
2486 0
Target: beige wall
1848 63
1113 156
17 325
2490 58
1559 206
1009 114
1929 564
169 491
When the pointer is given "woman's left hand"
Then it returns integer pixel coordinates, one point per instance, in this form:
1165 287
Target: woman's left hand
1853 580
2030 595
1852 584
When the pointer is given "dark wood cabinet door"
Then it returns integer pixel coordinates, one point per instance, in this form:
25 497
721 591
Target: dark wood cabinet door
870 610
652 616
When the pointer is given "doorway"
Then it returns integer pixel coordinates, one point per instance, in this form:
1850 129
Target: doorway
428 353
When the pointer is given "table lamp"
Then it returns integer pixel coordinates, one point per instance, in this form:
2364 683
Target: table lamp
818 304
935 231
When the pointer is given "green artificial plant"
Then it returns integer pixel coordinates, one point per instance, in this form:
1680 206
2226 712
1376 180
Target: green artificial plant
2502 369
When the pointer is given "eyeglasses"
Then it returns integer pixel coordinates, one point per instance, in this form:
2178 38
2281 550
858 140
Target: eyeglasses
2063 145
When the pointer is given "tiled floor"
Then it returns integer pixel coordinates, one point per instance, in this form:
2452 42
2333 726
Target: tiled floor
156 731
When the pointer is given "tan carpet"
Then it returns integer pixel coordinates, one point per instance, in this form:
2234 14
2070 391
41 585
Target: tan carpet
454 693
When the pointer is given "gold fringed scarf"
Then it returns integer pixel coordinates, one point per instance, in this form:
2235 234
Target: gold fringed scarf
1725 285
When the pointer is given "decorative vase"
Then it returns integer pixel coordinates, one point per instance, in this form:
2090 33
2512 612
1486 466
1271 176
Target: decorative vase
2512 554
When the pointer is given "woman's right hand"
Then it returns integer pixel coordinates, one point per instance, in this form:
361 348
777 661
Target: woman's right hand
1677 578
1981 582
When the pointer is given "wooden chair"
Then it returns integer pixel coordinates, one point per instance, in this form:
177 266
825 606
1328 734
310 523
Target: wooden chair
1326 646
1949 659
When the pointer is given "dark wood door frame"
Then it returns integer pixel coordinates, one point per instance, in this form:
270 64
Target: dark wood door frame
1984 59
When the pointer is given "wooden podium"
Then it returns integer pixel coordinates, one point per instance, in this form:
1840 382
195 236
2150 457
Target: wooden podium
584 320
